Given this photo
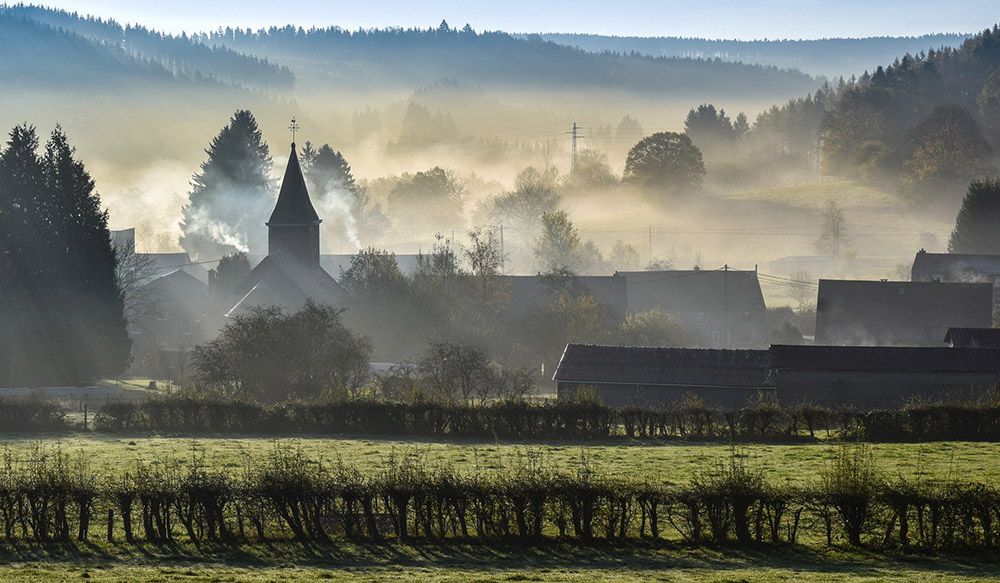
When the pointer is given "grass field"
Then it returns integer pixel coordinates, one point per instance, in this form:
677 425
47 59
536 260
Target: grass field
474 563
672 463
471 562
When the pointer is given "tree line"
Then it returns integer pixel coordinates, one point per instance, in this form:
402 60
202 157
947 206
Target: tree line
61 306
417 56
287 496
181 55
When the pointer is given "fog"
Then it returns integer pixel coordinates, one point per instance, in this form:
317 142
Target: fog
143 135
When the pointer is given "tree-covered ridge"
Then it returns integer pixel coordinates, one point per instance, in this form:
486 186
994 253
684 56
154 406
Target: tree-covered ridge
35 54
927 120
179 55
832 57
412 56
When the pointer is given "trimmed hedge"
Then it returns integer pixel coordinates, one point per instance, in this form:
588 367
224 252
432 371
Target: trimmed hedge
29 414
287 496
549 420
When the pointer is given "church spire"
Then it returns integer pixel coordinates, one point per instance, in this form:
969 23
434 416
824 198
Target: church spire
293 229
294 206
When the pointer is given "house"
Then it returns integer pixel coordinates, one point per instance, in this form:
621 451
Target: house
958 268
529 293
725 307
153 265
869 377
291 273
178 319
651 377
973 337
898 313
955 267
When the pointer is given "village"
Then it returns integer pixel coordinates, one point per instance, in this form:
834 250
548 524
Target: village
877 344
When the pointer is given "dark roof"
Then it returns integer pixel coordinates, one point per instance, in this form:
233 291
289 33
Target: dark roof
286 284
973 337
885 359
530 292
293 206
898 313
690 367
693 290
955 266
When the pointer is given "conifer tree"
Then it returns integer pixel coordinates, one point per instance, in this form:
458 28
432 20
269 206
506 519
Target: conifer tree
83 282
350 214
22 232
977 227
63 310
231 197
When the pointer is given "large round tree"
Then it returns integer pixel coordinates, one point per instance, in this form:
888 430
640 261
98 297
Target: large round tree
977 228
666 161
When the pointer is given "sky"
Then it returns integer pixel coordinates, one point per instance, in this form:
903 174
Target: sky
741 19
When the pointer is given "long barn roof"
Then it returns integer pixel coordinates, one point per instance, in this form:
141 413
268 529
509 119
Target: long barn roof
688 367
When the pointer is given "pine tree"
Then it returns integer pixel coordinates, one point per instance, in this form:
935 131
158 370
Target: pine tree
350 214
977 227
84 286
232 195
22 254
328 171
63 309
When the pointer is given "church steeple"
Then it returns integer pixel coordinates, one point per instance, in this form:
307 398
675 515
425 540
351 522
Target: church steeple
293 229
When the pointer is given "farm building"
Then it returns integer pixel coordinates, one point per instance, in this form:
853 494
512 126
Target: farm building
725 306
973 337
898 313
721 308
865 377
636 376
868 377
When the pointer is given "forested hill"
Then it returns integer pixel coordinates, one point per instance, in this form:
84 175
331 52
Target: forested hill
832 57
496 60
36 55
273 59
89 41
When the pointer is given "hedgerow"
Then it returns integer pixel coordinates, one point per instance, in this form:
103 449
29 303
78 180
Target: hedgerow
565 420
285 495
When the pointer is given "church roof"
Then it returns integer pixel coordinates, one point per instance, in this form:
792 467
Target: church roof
286 284
293 206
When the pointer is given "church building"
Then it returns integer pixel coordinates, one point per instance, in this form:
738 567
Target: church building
291 273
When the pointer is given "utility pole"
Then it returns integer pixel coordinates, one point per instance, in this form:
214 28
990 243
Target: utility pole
835 227
503 250
576 136
725 305
650 262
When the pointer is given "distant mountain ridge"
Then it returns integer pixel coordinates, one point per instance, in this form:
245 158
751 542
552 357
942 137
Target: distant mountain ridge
140 46
831 57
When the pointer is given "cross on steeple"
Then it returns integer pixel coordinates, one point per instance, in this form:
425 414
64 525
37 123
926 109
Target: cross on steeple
294 127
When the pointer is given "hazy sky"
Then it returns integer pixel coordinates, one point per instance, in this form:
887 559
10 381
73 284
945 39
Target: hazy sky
745 19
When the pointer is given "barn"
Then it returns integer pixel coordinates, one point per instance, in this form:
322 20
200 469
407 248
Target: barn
868 377
623 376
